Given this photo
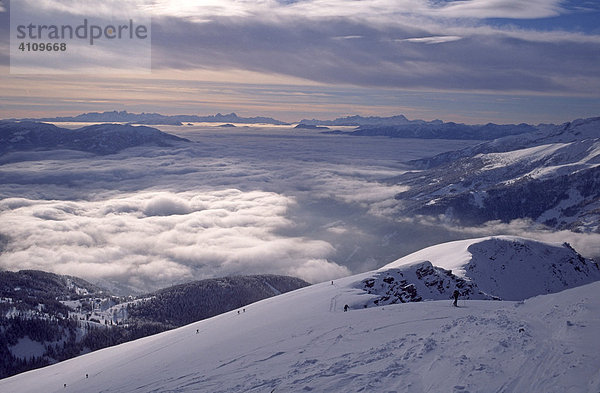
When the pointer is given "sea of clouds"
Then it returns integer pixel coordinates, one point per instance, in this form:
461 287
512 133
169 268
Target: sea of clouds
240 201
153 238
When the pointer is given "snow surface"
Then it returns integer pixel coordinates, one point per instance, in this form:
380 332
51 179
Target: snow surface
549 176
528 155
508 267
304 341
453 256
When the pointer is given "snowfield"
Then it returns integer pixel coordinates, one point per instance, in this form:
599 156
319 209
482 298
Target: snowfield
550 176
304 341
506 267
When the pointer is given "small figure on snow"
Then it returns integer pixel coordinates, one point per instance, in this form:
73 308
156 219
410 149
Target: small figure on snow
345 308
455 296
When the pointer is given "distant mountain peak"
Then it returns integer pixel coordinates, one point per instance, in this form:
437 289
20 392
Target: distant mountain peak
104 138
157 118
399 126
357 120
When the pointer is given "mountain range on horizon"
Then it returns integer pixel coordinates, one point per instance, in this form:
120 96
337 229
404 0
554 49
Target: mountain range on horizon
155 118
397 126
160 119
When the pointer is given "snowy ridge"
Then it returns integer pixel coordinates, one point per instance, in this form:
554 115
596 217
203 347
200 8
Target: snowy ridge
545 160
577 130
504 267
303 341
418 282
551 176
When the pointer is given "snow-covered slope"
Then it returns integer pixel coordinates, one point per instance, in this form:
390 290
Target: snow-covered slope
303 341
551 176
46 318
400 127
577 130
500 267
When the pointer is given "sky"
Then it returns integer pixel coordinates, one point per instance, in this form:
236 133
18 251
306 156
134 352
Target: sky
471 61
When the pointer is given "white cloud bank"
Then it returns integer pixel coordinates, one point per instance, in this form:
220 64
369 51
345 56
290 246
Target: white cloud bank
240 201
154 238
258 201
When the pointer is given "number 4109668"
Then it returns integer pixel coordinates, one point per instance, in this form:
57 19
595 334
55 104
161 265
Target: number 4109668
42 47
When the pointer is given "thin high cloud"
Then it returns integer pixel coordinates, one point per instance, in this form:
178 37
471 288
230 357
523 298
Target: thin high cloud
381 44
432 39
89 8
514 9
392 48
381 10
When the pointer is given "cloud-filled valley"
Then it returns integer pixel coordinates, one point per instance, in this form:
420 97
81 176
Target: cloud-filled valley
157 238
228 203
238 201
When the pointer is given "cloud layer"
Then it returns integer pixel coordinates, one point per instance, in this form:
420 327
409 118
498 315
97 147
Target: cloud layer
405 44
260 201
470 61
472 46
152 239
236 201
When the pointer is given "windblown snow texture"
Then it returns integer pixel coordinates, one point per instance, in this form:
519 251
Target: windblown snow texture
303 341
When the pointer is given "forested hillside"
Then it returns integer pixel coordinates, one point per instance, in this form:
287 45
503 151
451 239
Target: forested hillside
46 318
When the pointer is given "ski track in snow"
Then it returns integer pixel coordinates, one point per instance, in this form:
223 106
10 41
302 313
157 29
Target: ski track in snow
545 344
303 341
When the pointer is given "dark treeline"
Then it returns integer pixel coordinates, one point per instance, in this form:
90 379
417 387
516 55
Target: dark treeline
30 309
60 339
187 303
